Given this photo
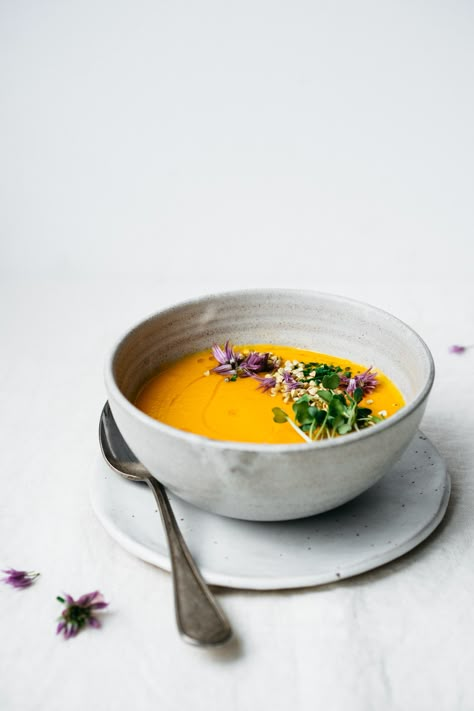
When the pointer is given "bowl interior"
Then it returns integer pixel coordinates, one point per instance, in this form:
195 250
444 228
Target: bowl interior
311 320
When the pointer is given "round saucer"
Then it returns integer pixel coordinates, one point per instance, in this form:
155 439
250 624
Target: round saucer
381 524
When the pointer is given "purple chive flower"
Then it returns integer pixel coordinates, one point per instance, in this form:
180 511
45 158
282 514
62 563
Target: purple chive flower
19 578
270 382
233 364
458 349
367 381
227 358
265 383
254 363
289 380
79 613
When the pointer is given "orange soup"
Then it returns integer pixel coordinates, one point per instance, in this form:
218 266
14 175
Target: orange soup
268 394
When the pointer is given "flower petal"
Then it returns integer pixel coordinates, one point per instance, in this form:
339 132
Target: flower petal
225 368
265 383
229 352
12 573
19 578
219 354
87 599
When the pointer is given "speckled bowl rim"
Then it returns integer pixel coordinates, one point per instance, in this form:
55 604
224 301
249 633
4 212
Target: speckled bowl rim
196 439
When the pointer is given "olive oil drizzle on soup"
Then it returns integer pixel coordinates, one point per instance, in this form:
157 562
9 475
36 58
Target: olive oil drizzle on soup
188 395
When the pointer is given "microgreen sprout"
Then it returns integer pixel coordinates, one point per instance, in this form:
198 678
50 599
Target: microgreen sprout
338 413
281 416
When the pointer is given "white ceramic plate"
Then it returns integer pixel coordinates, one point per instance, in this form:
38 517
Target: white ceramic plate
385 522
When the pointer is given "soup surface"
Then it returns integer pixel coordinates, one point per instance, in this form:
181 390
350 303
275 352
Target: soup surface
245 403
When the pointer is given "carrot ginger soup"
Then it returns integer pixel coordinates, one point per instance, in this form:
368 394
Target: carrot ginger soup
268 394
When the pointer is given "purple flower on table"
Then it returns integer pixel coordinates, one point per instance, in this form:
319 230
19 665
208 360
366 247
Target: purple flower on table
19 578
366 381
227 358
458 349
80 613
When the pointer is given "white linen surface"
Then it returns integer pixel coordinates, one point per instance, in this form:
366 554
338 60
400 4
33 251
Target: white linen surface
394 638
155 151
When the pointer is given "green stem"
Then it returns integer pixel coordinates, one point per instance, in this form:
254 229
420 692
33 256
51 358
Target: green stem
299 430
322 426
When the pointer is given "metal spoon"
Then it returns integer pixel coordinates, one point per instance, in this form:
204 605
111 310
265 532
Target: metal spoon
200 619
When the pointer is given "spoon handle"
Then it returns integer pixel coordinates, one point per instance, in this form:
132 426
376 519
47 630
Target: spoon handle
200 619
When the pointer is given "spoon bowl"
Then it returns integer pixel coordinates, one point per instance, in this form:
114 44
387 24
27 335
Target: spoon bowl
116 451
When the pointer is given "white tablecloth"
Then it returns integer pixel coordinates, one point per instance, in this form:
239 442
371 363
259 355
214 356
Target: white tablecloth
152 152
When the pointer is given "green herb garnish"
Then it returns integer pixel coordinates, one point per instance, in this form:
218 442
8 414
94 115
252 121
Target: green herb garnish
325 398
338 414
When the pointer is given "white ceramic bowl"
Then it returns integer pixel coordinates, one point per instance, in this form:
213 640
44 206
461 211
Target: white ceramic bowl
257 481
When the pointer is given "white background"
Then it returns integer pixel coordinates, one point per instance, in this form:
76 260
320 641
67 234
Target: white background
150 151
